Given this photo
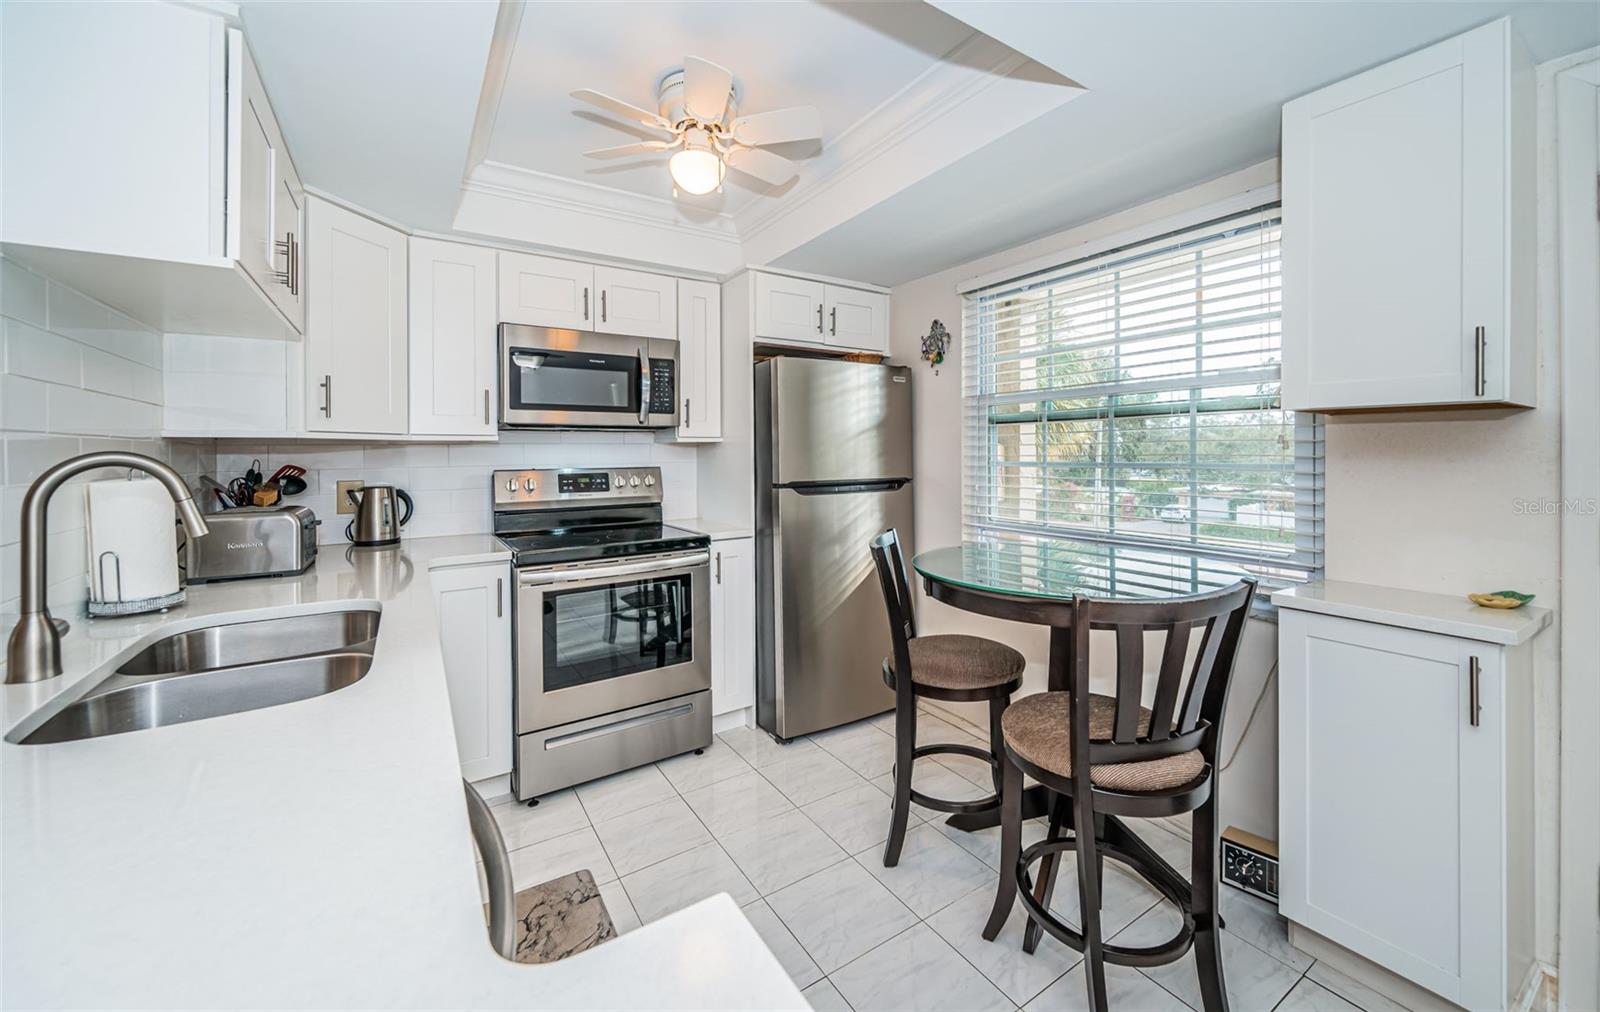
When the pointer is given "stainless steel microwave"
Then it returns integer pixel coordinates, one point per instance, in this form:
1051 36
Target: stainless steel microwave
576 379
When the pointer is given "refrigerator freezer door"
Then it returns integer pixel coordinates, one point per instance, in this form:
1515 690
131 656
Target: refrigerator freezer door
839 421
823 663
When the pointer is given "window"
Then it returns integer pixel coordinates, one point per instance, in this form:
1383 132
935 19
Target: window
1132 397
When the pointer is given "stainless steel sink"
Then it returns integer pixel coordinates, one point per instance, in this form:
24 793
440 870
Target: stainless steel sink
223 646
218 670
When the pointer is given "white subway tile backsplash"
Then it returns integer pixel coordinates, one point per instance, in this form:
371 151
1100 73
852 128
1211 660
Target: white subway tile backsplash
29 454
408 456
22 294
41 355
23 404
488 455
110 374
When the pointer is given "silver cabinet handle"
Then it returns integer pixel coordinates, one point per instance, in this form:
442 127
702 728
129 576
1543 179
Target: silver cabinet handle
686 411
833 320
497 869
644 376
327 395
1474 697
586 303
486 406
819 317
289 277
602 305
1480 341
499 597
294 266
719 567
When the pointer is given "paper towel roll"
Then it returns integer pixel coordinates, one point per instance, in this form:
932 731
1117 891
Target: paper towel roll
132 521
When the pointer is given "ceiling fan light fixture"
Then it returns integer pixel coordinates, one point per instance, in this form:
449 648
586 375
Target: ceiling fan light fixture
697 169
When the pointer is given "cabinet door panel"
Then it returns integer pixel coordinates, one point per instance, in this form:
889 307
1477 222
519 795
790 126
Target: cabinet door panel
289 217
858 319
474 615
1390 799
636 303
788 309
258 175
700 359
546 292
733 622
356 334
452 347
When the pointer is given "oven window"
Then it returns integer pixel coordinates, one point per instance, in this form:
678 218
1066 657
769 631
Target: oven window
573 381
623 628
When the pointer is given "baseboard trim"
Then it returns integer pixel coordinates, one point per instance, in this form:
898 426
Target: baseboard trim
1540 990
1380 979
721 722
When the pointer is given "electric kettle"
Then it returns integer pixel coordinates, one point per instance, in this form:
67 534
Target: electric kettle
375 521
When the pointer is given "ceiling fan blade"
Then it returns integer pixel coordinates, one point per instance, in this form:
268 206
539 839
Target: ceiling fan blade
764 165
802 123
621 108
622 150
705 89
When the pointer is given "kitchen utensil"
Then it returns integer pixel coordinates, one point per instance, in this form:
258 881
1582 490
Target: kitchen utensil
376 522
287 471
252 474
292 484
224 498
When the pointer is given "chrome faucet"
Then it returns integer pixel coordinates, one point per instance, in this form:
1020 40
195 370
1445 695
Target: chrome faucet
34 652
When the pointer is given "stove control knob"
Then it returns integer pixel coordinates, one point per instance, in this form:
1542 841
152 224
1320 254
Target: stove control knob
618 481
634 481
529 485
511 484
649 480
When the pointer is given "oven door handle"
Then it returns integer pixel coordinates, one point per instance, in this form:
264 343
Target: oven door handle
540 577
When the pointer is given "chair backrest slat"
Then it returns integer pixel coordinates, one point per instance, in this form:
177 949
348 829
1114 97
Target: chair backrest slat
891 565
1204 662
1130 680
1169 680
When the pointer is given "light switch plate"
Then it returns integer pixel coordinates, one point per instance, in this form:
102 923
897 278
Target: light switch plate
341 501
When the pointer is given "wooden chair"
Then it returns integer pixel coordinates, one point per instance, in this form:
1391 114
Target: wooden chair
1105 756
950 667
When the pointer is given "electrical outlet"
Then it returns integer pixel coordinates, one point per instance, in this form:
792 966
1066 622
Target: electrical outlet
341 502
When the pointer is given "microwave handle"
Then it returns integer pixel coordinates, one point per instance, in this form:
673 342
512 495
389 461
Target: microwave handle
644 386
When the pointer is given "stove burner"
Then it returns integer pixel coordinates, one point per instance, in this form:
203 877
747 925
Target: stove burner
584 544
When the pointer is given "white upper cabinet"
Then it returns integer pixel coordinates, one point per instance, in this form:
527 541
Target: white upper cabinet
146 168
547 292
699 360
789 310
356 337
1408 232
636 303
452 347
856 319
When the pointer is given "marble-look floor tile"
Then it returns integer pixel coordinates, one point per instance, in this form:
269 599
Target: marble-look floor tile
984 844
800 967
619 906
1126 988
935 781
737 803
857 818
780 851
975 771
1352 990
540 862
1173 848
1124 896
839 913
758 748
932 872
624 792
824 997
1254 979
688 878
689 772
653 833
916 970
1020 975
1259 923
809 776
1309 996
862 746
555 815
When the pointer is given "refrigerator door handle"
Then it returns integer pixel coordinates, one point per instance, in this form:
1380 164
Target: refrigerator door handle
848 488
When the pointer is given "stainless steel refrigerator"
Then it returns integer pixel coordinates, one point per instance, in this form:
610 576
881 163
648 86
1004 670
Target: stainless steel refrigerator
833 469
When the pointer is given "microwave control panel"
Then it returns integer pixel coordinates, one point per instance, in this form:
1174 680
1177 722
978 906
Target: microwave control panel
663 387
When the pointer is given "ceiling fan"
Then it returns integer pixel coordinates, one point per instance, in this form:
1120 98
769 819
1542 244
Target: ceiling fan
698 105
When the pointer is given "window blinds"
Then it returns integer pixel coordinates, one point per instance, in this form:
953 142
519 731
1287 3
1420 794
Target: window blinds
1133 397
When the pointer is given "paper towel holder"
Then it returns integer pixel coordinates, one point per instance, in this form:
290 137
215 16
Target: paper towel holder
105 609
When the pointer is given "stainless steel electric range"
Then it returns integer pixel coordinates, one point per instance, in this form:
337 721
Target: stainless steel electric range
612 625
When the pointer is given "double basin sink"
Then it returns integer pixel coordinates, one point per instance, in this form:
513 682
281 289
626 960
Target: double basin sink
217 670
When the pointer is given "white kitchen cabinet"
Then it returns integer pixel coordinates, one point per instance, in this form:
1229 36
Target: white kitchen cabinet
132 173
699 360
733 625
857 320
547 292
1406 783
789 310
452 320
473 604
636 303
1408 232
355 352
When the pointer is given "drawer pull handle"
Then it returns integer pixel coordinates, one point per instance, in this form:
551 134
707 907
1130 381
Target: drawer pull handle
577 737
1474 696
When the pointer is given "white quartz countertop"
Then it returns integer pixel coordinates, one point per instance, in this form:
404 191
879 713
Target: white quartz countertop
716 530
1446 614
315 854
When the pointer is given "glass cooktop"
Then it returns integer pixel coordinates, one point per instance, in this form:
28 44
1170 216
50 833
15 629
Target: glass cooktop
587 544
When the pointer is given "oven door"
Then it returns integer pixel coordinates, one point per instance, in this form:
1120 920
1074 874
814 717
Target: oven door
600 637
573 378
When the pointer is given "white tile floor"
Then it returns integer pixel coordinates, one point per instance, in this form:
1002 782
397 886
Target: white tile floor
794 833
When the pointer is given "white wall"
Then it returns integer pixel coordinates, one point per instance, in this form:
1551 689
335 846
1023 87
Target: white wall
449 482
75 377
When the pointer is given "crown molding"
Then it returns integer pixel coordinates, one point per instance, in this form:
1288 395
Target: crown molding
516 183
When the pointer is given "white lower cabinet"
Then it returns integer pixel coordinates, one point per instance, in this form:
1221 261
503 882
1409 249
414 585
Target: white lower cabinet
1405 799
473 604
733 625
